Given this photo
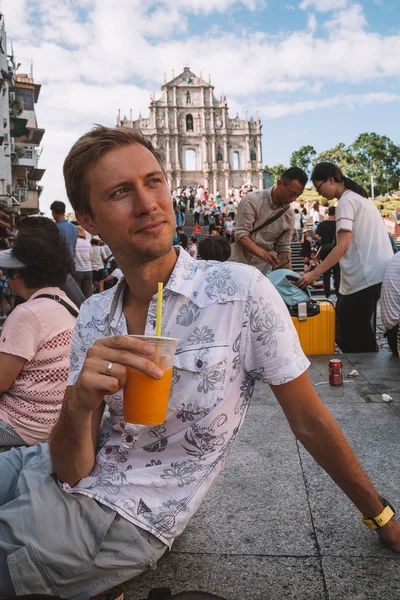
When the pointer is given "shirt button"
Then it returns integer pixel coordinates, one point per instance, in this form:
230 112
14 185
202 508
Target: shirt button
199 364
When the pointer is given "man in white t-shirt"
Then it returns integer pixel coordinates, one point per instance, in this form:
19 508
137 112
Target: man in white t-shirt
118 494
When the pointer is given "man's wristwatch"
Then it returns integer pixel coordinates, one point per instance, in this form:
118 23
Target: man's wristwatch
382 519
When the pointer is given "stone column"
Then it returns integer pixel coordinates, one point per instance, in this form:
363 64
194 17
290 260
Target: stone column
166 117
212 121
177 157
168 154
205 153
259 152
226 156
224 119
226 184
248 161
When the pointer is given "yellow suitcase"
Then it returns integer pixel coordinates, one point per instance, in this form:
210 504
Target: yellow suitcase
317 333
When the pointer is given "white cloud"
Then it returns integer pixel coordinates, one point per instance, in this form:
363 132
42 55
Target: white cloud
95 56
312 23
351 101
208 6
324 5
349 20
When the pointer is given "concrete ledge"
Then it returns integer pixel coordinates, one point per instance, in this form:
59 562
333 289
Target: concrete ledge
274 525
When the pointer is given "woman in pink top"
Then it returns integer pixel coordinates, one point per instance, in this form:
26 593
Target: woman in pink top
35 339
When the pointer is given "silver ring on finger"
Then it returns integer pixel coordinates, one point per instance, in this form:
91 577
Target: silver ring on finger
109 367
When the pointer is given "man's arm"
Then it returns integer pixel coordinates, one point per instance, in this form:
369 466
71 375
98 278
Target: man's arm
74 438
283 248
343 244
314 426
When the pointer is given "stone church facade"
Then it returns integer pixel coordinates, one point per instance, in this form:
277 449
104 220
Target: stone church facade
200 143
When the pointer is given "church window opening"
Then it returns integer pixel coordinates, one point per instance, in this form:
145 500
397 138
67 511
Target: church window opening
190 160
188 98
235 161
253 155
189 123
219 154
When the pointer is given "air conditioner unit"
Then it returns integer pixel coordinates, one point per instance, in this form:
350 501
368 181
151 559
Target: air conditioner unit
8 188
12 96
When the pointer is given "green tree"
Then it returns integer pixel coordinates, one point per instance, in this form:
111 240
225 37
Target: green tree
303 158
340 155
276 171
379 156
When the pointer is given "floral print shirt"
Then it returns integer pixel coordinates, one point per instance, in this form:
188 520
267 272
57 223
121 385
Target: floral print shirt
233 329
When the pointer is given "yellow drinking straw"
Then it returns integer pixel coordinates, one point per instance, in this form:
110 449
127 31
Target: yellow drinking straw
159 308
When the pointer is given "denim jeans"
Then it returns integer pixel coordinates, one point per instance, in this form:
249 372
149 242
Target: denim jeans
61 544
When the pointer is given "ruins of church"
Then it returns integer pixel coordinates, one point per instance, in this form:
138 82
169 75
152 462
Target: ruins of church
200 143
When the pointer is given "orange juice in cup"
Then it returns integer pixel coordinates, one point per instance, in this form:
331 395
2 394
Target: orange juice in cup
145 398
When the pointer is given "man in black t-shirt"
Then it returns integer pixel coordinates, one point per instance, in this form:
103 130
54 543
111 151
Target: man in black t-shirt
326 231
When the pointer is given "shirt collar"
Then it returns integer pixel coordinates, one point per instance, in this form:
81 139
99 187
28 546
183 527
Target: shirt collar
180 282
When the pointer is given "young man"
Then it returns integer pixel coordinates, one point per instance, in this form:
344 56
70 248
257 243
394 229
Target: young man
67 229
108 499
269 247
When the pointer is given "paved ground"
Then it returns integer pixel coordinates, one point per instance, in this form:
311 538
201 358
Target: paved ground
274 526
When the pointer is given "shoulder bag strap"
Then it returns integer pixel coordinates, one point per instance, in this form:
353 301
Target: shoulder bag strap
69 308
271 219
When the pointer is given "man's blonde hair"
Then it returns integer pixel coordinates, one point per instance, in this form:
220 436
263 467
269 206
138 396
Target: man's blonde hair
85 153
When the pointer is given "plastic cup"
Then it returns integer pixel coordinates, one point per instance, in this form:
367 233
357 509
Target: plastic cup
145 398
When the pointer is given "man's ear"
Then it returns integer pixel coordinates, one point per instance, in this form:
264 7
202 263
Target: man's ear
87 222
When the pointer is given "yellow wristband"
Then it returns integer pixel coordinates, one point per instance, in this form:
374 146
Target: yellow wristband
382 519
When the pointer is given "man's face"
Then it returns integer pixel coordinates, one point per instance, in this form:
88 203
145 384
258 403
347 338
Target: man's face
131 205
287 191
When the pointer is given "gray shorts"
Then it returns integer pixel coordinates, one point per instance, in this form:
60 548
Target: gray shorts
67 545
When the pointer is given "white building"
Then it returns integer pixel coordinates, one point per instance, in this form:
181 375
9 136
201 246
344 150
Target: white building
20 137
27 136
5 139
199 141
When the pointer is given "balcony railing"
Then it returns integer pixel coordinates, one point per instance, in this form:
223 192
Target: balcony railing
22 194
28 158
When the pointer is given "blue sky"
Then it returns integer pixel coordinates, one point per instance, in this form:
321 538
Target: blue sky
319 71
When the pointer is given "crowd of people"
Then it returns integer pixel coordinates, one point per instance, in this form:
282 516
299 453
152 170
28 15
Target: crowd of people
93 267
212 211
65 354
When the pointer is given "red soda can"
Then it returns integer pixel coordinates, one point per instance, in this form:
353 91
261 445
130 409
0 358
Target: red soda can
335 372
